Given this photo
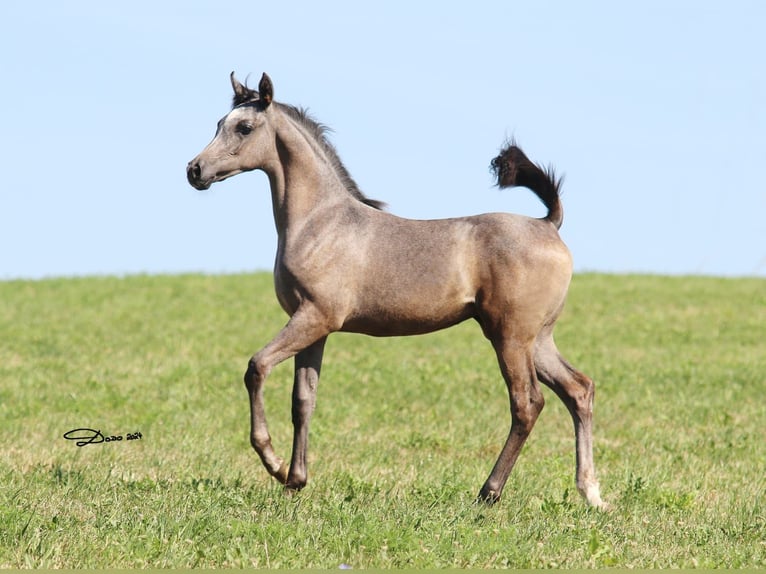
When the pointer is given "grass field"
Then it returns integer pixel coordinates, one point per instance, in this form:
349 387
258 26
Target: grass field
405 432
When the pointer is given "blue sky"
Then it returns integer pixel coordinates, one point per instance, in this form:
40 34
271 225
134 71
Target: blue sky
654 111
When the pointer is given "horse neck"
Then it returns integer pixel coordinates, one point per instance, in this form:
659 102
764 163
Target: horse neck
303 179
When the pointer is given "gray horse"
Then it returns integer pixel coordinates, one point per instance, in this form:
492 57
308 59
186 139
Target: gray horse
344 264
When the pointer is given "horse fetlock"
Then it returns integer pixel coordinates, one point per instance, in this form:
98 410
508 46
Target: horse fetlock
275 465
261 443
257 444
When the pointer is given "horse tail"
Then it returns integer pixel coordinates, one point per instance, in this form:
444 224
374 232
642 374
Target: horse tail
512 167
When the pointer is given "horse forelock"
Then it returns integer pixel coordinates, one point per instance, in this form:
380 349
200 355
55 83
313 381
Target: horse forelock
245 100
246 96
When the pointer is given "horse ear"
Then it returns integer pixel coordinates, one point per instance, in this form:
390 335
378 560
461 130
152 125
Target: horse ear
242 93
266 90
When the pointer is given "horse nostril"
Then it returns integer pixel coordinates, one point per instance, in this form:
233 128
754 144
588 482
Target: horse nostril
193 172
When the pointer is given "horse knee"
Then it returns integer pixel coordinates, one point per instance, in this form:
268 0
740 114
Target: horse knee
256 372
250 373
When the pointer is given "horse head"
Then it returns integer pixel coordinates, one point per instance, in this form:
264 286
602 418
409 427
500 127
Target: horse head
242 140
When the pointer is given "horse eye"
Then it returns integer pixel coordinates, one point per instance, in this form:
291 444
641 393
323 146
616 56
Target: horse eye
244 128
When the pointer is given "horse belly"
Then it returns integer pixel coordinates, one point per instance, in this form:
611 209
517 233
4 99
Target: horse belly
395 307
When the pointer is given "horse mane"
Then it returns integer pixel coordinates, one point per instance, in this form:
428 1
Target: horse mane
318 132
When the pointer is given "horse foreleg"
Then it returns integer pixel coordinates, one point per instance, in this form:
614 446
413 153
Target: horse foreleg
300 332
260 439
516 364
308 364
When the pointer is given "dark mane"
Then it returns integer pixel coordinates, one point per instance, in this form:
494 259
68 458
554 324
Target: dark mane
318 131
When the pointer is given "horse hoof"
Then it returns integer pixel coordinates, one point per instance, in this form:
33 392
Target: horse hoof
592 496
600 505
488 497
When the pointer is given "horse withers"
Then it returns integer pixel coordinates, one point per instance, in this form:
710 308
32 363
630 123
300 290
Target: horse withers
345 264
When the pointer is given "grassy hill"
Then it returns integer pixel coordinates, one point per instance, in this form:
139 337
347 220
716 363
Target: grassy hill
405 432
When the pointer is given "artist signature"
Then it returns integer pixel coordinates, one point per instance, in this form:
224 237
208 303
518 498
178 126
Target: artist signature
90 436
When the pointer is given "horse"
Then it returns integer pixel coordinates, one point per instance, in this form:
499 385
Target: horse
345 264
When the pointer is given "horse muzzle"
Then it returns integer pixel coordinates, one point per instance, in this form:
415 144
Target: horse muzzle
194 175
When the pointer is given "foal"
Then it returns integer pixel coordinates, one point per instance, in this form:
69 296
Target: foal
343 264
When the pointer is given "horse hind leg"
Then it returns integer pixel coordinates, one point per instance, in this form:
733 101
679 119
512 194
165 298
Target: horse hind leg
517 367
576 390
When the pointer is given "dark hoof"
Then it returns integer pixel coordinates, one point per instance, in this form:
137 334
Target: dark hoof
488 496
292 490
296 481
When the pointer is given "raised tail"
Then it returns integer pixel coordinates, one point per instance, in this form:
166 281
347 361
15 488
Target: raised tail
512 167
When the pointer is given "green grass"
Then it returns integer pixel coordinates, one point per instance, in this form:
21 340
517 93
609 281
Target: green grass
405 432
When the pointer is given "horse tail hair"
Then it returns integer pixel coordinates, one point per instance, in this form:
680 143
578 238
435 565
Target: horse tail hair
513 168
